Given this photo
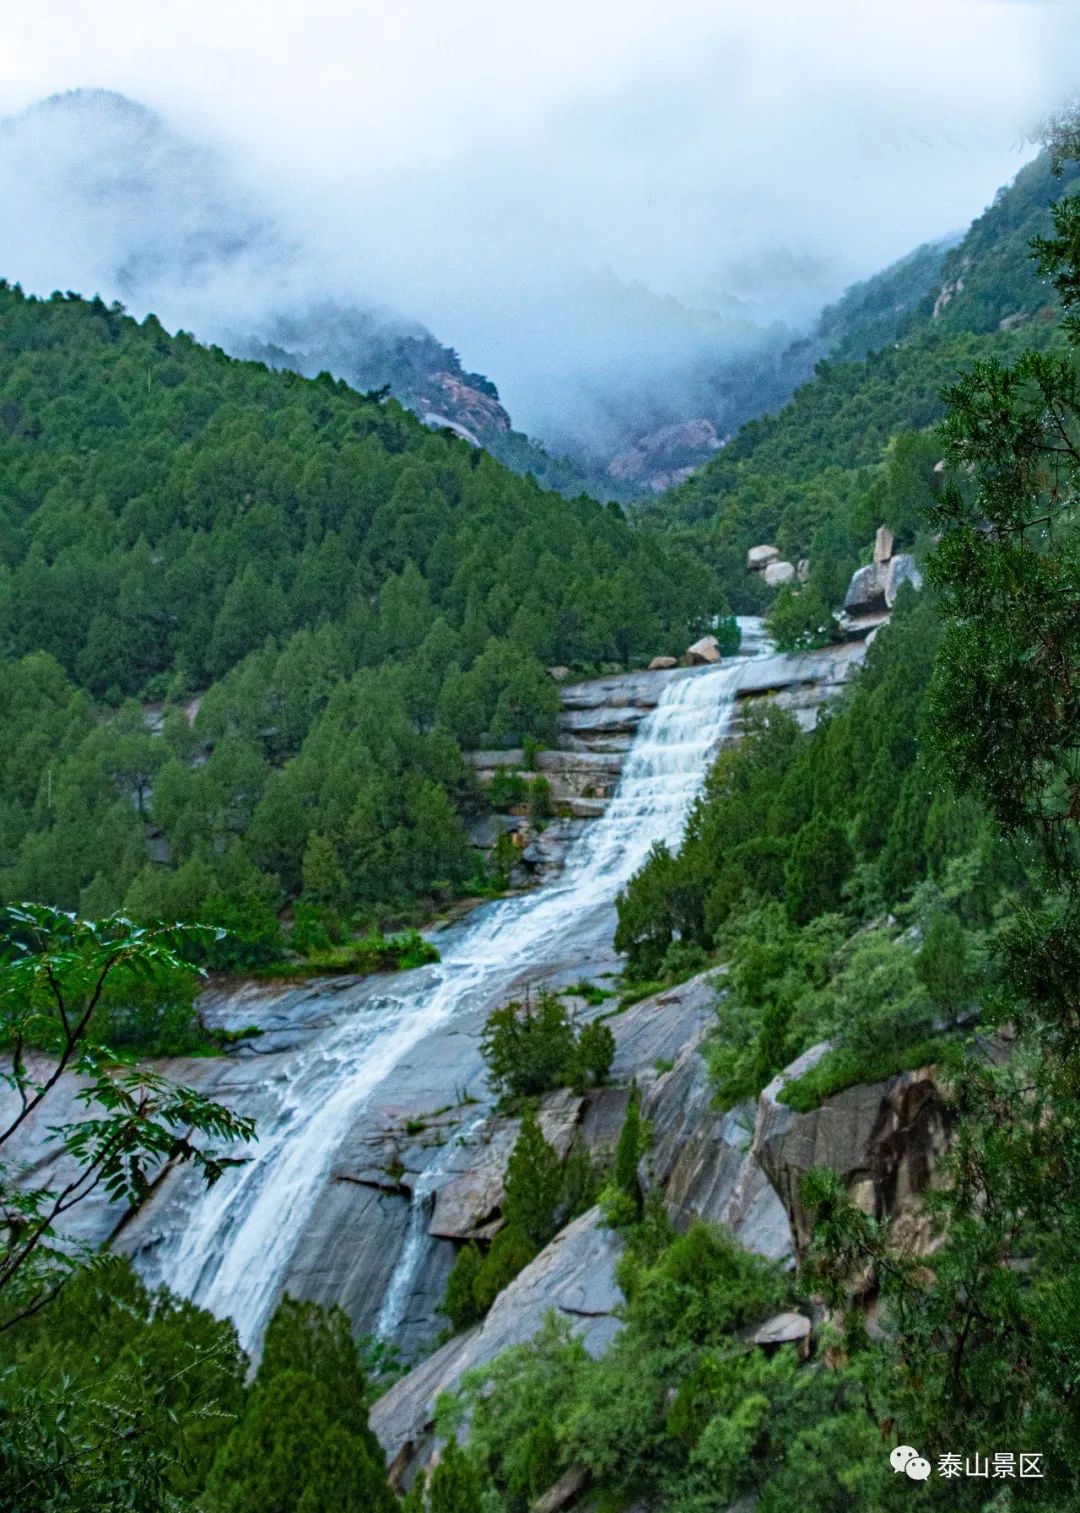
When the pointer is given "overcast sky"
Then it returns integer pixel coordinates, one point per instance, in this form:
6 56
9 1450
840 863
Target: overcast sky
457 160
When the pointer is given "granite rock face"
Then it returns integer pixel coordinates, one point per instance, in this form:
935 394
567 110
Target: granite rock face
574 1276
883 1138
702 1159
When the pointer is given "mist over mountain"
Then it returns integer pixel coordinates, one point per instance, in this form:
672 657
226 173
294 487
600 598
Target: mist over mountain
105 197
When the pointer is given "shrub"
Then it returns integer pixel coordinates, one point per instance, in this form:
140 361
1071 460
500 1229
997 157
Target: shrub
511 1251
460 1305
532 1184
529 1048
595 1054
532 1049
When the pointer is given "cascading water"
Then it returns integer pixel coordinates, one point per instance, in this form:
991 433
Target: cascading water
239 1236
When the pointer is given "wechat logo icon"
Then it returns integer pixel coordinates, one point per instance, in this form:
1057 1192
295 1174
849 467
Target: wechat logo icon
906 1458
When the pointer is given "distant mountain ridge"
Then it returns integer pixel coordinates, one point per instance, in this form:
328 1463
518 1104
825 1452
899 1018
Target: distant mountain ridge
104 194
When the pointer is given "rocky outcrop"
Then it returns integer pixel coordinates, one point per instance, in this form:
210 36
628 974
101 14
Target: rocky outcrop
662 664
873 589
468 1206
702 1160
759 557
900 570
574 1276
667 456
883 544
883 1139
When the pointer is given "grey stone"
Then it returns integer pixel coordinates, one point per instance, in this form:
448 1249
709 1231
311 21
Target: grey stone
783 1329
574 1275
900 570
705 650
883 544
759 557
466 1205
883 1139
866 591
778 573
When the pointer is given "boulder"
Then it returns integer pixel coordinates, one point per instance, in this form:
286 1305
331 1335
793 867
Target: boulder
900 570
661 664
759 557
779 572
866 591
784 1329
565 1492
883 544
704 651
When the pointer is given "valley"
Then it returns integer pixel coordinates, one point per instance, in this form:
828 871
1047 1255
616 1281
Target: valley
516 1001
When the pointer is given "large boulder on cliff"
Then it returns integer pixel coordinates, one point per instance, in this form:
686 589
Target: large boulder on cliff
866 591
900 570
778 573
882 1138
759 557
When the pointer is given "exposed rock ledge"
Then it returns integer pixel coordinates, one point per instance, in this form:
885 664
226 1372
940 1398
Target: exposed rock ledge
742 1168
574 1275
882 1138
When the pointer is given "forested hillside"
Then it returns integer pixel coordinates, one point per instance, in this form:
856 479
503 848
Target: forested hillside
323 600
812 478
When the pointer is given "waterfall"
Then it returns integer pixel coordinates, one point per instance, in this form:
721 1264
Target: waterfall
239 1236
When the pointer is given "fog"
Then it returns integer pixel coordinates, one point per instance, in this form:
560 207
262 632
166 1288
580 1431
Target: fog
580 199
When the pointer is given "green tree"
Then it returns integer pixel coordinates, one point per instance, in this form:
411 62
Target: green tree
532 1183
942 963
595 1053
629 1151
820 863
460 1304
529 1047
304 1441
456 1485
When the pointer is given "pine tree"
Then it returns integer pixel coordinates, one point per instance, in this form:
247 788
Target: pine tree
532 1183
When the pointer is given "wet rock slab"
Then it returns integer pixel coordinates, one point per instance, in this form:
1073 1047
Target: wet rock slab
574 1275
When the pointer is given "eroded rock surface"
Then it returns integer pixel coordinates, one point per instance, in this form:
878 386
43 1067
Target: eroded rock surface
883 1139
574 1276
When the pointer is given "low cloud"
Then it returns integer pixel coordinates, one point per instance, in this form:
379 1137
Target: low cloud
578 198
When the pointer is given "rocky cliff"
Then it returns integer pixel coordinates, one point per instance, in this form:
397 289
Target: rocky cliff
741 1168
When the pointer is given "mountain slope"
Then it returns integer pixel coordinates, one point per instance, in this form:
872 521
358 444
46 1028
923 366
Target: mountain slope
345 595
818 476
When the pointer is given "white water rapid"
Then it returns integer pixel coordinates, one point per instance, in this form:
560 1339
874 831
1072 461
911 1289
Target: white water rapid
238 1237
